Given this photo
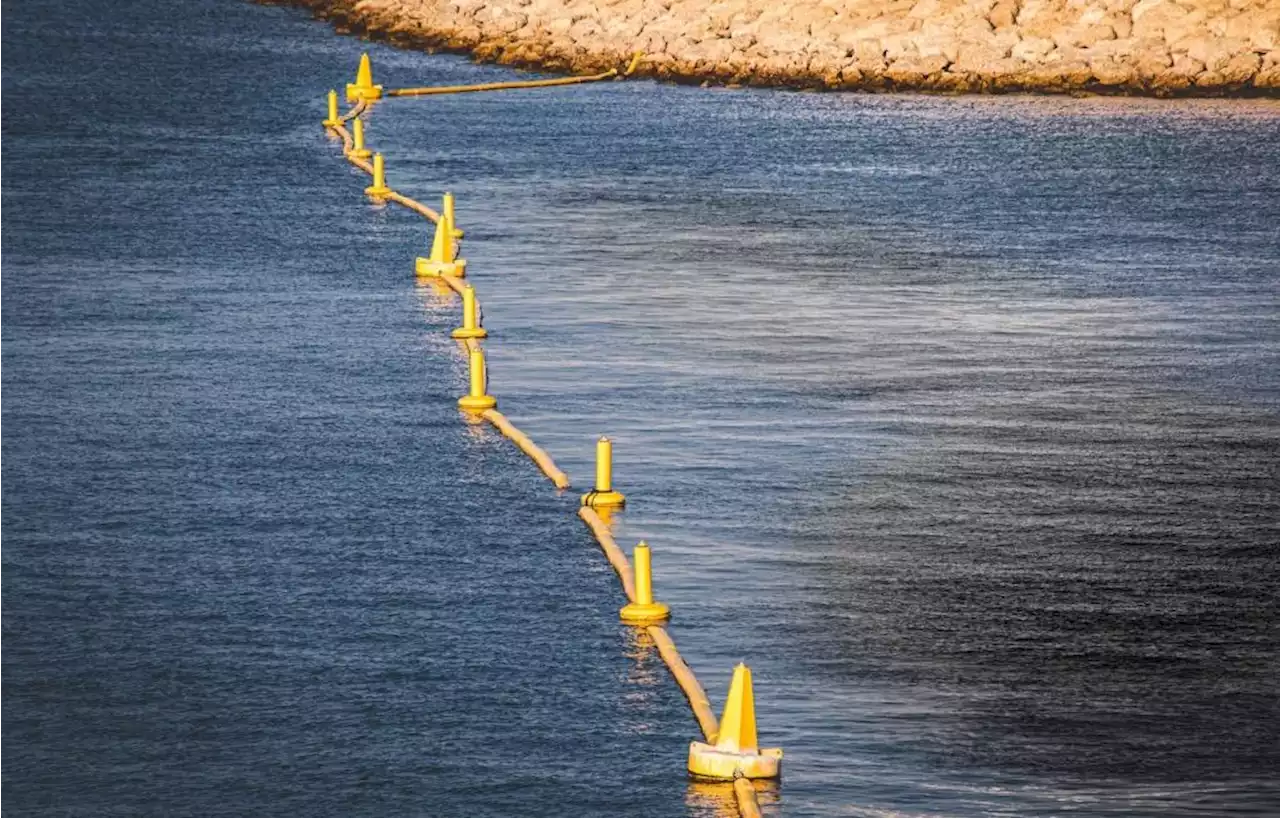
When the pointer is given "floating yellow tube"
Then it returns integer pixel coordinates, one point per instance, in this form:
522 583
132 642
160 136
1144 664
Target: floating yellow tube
457 285
414 205
611 550
748 806
430 90
684 677
522 441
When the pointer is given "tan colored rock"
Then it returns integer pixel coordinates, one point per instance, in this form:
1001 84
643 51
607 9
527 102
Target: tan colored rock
1032 49
1003 14
1130 46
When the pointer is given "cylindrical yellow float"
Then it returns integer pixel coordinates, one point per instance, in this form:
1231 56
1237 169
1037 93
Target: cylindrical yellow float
447 211
603 495
333 121
644 611
477 400
379 187
470 317
358 150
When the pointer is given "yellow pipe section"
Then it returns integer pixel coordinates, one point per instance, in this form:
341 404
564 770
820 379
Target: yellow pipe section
414 205
522 441
456 284
684 677
431 90
355 111
611 550
748 806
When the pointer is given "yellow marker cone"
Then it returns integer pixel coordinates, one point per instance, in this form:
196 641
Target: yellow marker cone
379 187
333 121
444 250
736 752
644 611
358 150
363 88
470 317
603 495
477 400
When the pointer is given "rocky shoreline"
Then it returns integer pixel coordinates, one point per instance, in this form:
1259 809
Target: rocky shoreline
1138 47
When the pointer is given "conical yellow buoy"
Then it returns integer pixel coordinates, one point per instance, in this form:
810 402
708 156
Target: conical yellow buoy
358 150
444 249
603 495
470 317
332 121
477 400
363 88
379 187
644 611
736 752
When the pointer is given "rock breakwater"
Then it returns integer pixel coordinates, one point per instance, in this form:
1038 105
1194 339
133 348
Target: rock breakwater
1149 47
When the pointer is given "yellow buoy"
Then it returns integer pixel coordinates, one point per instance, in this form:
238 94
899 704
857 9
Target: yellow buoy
358 150
447 210
603 495
363 88
444 249
477 400
644 611
736 753
470 317
379 187
332 121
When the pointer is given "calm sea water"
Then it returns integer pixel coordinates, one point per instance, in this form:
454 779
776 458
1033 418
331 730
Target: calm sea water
957 419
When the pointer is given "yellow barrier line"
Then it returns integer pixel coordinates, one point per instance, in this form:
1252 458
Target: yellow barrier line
360 163
748 806
431 90
688 682
744 792
456 284
536 454
356 110
414 205
611 550
684 677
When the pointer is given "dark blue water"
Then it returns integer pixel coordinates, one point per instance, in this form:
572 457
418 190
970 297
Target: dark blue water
957 419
